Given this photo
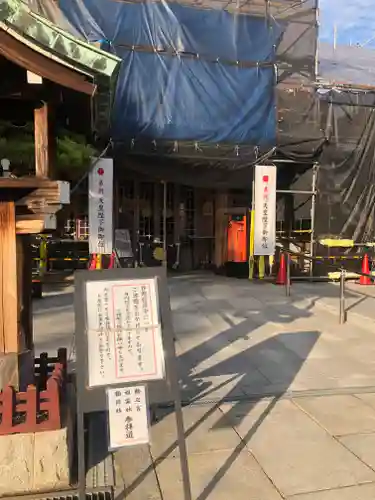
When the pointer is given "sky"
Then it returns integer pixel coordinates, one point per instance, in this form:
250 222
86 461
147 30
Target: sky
354 19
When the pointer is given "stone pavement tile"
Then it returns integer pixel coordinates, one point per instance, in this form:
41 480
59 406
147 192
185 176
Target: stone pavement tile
335 372
340 415
363 446
194 387
356 380
360 306
267 390
312 344
362 492
219 475
221 386
309 378
135 475
368 398
201 431
279 365
294 451
185 323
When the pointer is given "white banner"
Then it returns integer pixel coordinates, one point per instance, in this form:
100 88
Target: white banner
265 210
101 206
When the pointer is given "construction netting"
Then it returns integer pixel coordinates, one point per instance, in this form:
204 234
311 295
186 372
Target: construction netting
198 79
208 88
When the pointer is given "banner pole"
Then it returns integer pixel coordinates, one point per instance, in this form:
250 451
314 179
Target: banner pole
251 246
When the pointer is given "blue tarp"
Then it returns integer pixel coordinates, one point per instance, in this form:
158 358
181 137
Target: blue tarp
179 79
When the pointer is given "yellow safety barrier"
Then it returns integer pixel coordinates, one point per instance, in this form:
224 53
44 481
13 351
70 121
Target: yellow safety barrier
98 264
335 275
261 260
261 267
54 259
334 243
297 231
251 245
339 257
43 257
271 261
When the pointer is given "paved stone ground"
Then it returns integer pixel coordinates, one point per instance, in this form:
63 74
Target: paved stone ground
282 398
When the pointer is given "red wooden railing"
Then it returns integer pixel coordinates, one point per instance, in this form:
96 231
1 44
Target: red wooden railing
39 407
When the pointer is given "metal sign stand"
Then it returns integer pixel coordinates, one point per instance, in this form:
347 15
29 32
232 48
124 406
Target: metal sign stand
89 400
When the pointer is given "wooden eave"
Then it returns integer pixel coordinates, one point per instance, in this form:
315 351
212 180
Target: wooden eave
51 69
35 189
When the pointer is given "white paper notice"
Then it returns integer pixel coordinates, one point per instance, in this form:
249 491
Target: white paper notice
128 419
124 332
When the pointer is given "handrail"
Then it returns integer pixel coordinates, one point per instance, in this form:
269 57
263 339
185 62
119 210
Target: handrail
342 270
336 268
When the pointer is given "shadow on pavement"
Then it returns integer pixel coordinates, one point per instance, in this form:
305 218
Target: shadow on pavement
270 356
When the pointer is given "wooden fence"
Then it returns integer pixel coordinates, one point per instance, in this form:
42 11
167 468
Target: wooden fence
39 407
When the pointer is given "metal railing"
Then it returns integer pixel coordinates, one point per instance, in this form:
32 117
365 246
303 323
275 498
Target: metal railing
341 270
288 253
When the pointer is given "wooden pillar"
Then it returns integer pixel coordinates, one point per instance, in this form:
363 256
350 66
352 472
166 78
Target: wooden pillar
24 292
9 338
45 141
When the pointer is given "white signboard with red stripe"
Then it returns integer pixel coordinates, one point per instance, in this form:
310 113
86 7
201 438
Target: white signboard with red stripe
101 206
265 210
124 335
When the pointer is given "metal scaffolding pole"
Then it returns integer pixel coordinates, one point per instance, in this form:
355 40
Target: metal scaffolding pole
313 208
313 194
293 191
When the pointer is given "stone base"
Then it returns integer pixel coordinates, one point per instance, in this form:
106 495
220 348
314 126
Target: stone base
38 462
32 463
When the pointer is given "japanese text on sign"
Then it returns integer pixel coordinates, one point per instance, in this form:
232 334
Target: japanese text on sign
123 332
265 210
100 206
128 420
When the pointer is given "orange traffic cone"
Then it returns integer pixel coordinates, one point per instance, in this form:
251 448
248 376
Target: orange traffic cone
281 275
365 280
92 264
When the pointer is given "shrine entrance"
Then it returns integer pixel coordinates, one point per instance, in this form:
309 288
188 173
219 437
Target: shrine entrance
186 232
